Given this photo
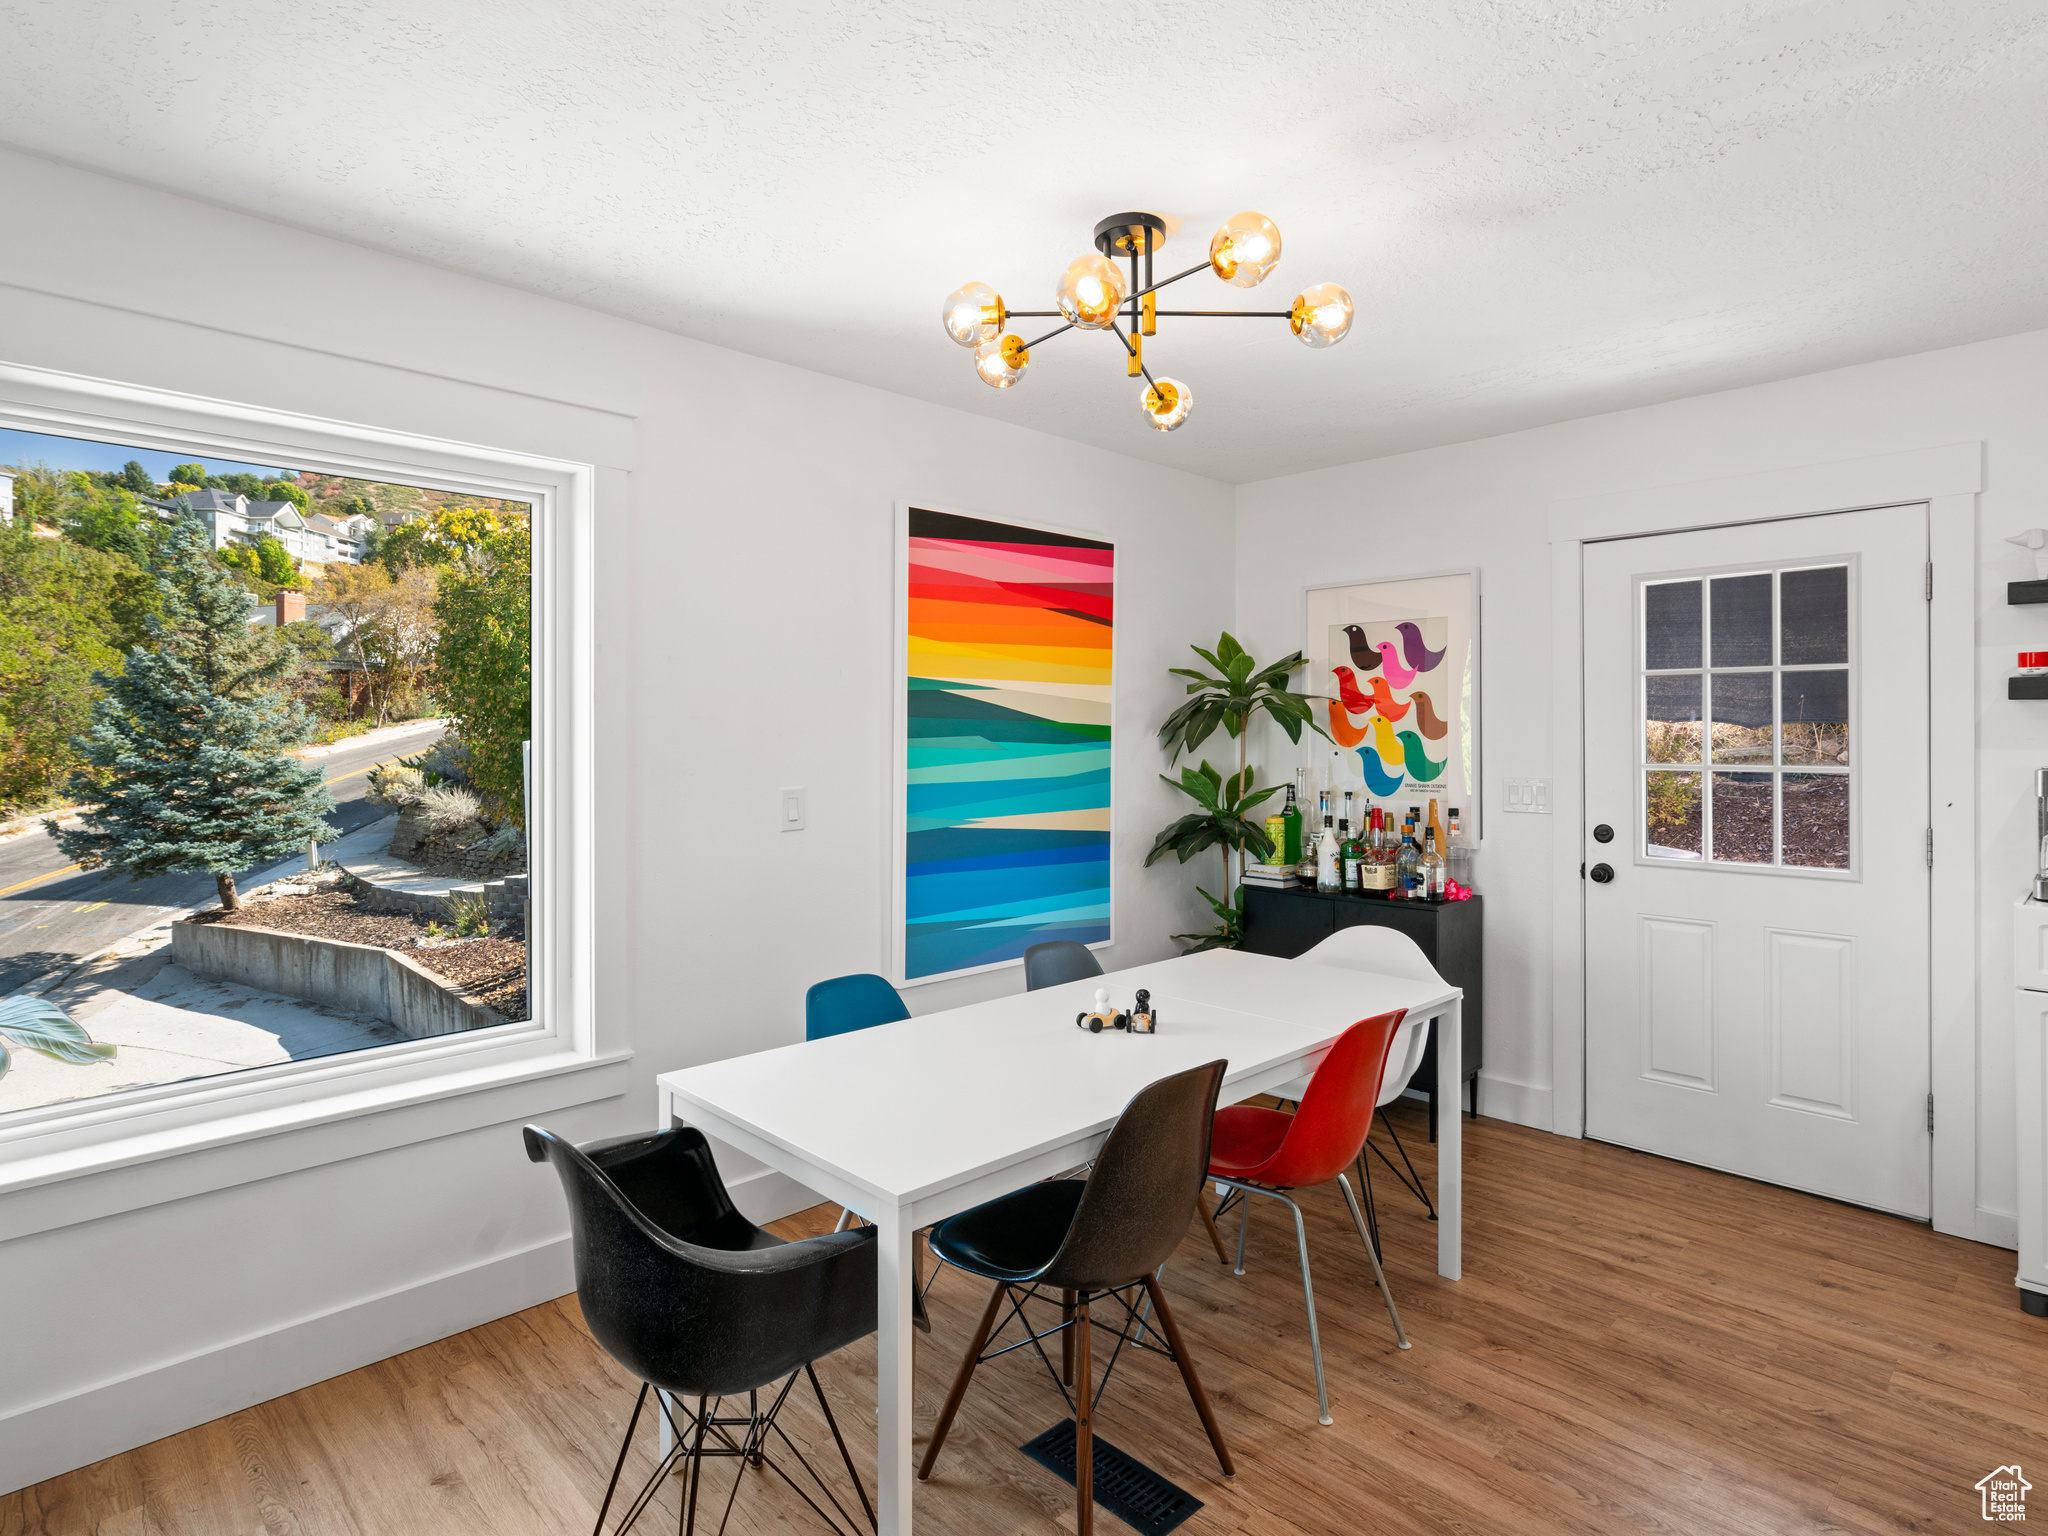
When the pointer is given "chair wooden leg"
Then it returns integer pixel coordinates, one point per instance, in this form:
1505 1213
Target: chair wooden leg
1215 1237
986 1327
1084 1424
1186 1362
1067 1338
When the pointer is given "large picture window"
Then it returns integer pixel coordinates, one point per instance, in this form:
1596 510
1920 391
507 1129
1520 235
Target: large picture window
271 757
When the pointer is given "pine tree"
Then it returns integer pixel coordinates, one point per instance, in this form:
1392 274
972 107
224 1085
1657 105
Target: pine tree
189 744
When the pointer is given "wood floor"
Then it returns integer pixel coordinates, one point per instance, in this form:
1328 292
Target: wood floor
1637 1346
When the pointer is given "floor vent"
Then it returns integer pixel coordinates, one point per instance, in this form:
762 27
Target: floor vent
1127 1488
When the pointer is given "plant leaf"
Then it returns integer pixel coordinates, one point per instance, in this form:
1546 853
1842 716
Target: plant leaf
35 1025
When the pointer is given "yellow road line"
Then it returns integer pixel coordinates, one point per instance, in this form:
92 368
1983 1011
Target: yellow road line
360 771
21 885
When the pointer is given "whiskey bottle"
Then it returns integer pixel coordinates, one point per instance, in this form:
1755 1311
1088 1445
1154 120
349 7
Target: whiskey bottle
1348 848
1377 874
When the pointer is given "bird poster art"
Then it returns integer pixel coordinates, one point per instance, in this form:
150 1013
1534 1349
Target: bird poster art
1003 746
1396 664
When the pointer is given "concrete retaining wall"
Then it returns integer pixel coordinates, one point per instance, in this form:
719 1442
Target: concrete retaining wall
357 978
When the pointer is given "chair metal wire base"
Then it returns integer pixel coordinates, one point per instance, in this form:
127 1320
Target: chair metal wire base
687 1456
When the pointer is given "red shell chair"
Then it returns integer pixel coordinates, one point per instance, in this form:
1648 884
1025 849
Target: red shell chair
1269 1152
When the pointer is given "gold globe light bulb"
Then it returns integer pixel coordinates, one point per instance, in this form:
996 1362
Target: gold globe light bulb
1321 315
974 314
1167 404
1091 290
1245 249
1001 363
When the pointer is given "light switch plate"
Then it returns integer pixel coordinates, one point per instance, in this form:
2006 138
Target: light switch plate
793 810
1526 797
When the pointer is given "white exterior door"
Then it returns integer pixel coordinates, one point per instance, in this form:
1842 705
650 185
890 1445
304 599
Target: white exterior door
1757 752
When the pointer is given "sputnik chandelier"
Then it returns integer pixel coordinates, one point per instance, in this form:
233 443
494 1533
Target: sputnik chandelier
1094 294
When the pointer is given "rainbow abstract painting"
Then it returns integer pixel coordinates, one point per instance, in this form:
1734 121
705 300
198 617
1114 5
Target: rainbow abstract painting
1004 748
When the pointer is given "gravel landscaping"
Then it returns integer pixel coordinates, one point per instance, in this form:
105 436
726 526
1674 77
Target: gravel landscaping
492 970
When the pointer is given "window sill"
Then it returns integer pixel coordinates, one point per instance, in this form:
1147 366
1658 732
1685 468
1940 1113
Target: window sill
119 1172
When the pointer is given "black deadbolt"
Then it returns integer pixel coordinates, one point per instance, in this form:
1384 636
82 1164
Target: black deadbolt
1603 833
1602 873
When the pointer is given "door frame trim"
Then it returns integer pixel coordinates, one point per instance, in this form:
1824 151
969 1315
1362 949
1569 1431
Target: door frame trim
1948 478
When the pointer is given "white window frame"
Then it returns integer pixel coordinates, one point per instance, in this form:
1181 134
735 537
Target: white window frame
57 1143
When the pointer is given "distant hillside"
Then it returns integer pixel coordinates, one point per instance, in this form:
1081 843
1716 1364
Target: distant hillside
331 493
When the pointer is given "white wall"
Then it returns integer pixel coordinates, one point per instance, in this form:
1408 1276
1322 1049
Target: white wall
743 644
1482 504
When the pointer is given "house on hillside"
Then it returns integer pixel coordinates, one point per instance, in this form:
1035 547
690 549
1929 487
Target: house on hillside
337 538
6 494
233 518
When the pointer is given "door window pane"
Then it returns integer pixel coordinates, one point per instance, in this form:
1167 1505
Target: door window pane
1671 625
1813 616
1671 719
1742 716
1817 820
1815 709
1742 620
1671 815
1742 818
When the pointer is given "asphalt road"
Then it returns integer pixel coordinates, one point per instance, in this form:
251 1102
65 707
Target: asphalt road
52 913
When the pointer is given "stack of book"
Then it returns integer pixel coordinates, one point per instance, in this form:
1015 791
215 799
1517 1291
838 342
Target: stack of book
1277 876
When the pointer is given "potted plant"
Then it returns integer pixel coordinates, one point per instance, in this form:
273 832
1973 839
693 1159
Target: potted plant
1235 689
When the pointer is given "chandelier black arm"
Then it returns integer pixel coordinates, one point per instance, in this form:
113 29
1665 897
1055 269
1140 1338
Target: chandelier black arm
1048 336
1232 314
1133 351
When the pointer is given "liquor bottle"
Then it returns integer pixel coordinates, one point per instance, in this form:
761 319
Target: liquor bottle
1443 843
1459 860
1432 870
1329 878
1377 876
1349 848
1311 830
1408 871
1290 825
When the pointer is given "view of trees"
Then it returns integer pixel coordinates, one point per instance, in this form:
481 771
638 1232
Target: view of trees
185 768
435 621
67 612
485 657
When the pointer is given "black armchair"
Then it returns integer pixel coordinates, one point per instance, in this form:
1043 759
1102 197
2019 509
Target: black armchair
700 1303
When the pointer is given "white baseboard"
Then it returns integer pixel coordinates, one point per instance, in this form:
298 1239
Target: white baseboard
2001 1229
62 1434
1502 1098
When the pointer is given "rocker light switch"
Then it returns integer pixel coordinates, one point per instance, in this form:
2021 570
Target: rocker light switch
792 810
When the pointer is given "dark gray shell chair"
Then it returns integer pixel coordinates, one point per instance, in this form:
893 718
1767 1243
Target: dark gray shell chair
1058 960
1086 1239
700 1303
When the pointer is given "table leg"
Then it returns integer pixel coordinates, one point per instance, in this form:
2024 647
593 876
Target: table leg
1450 1206
894 1368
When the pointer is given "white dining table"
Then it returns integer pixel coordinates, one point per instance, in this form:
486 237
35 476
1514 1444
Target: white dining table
909 1123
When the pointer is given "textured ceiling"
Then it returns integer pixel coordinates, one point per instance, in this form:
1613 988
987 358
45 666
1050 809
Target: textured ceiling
1542 209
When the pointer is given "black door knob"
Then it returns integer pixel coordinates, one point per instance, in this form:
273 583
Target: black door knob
1602 873
1603 833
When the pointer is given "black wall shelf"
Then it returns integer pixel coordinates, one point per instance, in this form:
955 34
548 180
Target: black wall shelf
2017 592
2032 687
